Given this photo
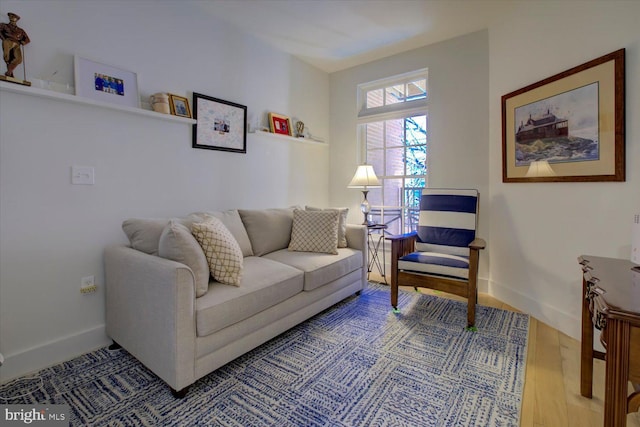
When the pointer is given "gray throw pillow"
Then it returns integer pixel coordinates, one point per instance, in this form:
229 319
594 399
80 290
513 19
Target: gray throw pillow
178 244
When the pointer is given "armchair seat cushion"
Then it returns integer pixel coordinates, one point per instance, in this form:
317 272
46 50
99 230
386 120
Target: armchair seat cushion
453 266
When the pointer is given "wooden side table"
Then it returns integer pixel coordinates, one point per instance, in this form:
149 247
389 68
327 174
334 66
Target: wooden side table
611 302
374 250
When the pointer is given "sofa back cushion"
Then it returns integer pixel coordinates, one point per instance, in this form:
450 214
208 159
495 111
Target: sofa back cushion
233 223
268 229
144 233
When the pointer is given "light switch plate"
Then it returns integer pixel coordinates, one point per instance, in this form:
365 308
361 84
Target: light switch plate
82 175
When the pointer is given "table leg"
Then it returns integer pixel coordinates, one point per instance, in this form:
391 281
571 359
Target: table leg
586 353
617 376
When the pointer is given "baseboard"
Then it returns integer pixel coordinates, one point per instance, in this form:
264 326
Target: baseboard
483 285
66 348
545 313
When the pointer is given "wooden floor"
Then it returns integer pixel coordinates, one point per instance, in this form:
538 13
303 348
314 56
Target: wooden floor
552 385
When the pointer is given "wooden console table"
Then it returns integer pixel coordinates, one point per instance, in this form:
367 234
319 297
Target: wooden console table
611 302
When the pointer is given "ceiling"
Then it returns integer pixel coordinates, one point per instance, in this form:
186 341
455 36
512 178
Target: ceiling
338 34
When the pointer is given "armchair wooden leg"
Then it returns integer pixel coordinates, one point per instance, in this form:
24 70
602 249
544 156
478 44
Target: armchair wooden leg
394 295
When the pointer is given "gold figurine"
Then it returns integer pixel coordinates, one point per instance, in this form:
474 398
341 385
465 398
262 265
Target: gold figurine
13 38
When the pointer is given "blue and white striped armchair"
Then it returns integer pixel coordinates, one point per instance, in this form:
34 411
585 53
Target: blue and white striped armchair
443 253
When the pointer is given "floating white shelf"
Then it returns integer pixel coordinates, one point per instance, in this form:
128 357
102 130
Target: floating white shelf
291 138
43 93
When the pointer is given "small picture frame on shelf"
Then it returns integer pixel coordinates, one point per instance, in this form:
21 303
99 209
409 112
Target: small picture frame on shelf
105 83
179 106
279 124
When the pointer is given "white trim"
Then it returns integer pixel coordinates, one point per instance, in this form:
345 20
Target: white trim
53 352
364 88
394 80
545 313
401 110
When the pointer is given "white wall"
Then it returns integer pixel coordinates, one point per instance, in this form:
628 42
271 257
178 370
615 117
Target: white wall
458 133
53 233
538 230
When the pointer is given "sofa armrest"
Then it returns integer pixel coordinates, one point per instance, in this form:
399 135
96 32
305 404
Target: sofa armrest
150 311
357 237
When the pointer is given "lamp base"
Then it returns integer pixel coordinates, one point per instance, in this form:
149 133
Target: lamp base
366 221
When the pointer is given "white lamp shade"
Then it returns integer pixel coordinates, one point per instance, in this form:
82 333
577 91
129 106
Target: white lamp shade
365 177
540 168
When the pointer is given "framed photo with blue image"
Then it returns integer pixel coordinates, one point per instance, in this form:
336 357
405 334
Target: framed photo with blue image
105 83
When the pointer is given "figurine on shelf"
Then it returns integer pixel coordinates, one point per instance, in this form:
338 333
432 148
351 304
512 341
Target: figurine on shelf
300 129
13 38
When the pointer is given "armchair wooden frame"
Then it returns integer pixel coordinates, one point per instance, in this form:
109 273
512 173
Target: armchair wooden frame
404 244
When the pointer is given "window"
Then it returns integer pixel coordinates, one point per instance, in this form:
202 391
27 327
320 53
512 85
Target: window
393 124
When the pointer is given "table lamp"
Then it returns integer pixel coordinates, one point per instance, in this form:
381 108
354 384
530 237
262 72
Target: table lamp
539 168
365 178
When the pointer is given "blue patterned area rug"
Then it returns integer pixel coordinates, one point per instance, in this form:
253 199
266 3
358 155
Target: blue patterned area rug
355 364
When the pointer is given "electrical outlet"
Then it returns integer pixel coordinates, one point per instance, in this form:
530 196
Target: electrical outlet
88 285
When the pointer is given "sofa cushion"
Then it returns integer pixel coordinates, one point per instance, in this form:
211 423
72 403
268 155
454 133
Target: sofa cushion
144 233
342 223
264 284
315 231
268 229
178 244
221 249
231 220
320 269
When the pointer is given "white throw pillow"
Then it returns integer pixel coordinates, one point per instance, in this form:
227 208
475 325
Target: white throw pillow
221 250
315 231
342 224
178 244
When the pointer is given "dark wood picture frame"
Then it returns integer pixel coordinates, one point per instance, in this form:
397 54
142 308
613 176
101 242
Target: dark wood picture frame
220 125
600 83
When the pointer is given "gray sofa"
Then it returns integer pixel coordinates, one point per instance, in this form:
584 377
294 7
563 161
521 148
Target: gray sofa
156 312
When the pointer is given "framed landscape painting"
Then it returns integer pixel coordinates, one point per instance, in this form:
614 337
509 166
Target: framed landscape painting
574 121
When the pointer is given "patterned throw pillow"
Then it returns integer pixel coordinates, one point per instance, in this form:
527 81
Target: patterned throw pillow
315 231
221 249
342 224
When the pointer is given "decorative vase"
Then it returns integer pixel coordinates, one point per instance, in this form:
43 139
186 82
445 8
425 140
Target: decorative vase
160 102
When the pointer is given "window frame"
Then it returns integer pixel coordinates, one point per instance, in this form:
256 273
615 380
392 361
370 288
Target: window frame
393 111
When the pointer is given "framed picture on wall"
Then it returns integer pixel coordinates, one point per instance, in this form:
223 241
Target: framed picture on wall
221 125
570 126
179 106
279 124
105 83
